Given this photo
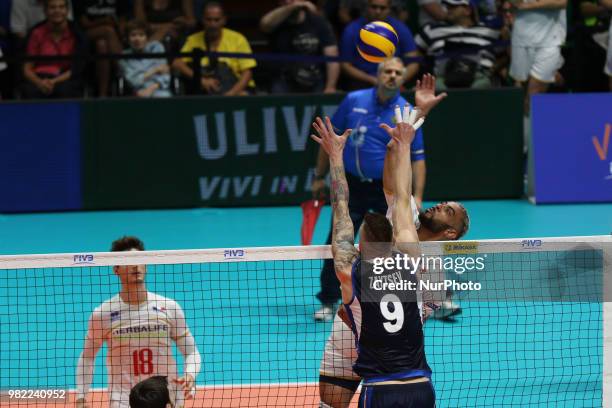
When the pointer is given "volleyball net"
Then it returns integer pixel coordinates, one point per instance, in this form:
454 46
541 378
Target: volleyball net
533 335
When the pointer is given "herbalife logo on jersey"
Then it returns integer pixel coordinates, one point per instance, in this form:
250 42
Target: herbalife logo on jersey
115 316
159 309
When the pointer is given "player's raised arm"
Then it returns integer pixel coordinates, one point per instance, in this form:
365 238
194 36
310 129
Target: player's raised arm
404 230
188 348
425 97
85 365
343 235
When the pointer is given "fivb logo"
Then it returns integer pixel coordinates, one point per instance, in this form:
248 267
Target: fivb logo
83 259
233 254
531 243
602 151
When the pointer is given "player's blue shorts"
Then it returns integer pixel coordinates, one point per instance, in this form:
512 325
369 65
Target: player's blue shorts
414 395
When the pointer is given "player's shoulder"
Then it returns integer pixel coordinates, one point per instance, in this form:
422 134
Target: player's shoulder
360 95
401 101
162 302
109 305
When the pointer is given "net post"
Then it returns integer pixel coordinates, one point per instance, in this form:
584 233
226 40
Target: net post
607 328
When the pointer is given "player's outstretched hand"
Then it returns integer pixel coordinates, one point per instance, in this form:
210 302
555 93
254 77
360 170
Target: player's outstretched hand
425 94
187 383
407 125
332 143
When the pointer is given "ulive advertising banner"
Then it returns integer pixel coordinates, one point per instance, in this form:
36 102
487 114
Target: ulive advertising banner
571 147
200 151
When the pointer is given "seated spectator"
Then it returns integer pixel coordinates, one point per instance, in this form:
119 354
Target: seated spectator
223 75
151 393
349 10
5 12
168 19
147 77
360 73
3 78
101 21
25 14
591 22
55 36
296 28
608 67
462 48
431 11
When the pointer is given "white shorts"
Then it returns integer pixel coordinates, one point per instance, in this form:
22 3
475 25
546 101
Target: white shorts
541 63
391 205
340 352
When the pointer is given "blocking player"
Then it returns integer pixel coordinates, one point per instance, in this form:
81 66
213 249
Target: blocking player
139 328
445 221
389 336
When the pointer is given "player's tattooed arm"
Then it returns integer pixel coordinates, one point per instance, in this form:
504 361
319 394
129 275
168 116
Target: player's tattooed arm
343 241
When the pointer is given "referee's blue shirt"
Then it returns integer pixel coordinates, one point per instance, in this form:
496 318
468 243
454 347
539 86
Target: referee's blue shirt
364 154
350 35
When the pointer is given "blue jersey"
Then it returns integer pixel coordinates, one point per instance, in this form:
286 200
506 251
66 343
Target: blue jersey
348 48
364 153
387 326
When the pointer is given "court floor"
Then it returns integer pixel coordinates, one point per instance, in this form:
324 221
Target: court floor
270 226
262 348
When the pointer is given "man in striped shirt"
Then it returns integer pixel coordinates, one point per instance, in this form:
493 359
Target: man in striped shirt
462 48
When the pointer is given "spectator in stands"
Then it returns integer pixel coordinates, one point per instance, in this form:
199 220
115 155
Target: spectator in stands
5 12
102 22
591 22
147 77
295 27
349 10
431 11
54 36
25 14
537 34
220 75
360 73
608 67
462 47
168 19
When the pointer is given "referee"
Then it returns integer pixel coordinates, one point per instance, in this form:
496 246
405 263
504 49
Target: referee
363 111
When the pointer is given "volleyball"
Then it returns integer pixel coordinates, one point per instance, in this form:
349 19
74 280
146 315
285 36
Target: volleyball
377 41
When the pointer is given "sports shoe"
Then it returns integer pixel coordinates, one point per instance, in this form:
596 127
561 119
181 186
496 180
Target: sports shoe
325 313
447 309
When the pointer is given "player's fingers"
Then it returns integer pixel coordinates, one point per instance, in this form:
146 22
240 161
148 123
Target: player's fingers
316 139
398 114
328 124
441 96
346 133
413 115
387 128
406 114
318 125
418 84
418 124
318 129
